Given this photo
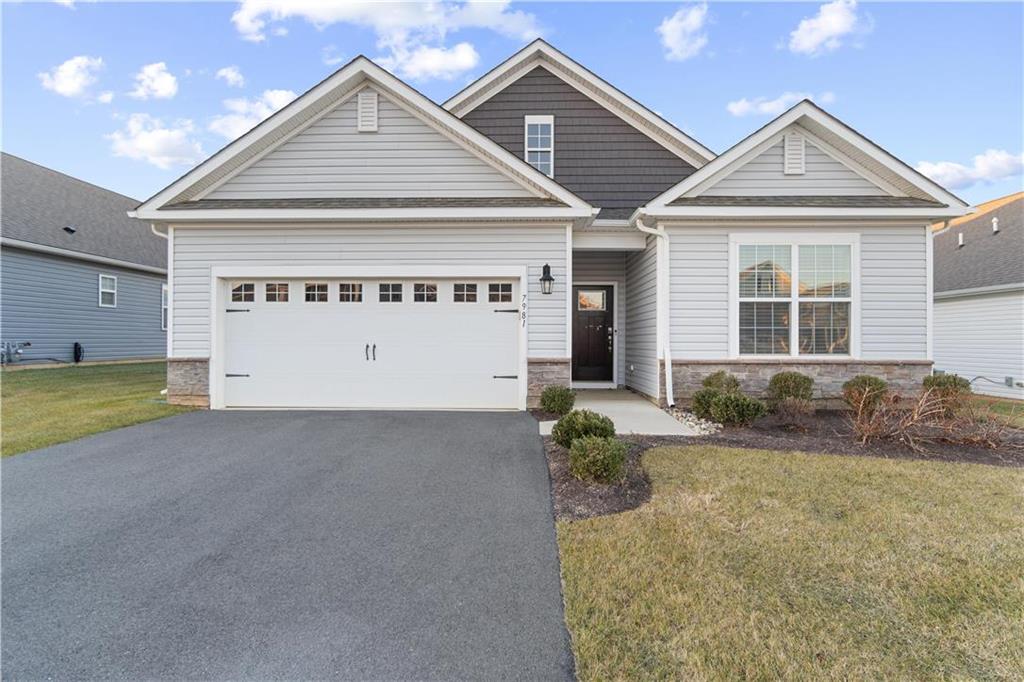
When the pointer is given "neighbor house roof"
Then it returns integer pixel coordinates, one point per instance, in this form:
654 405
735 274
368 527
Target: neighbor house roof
987 258
38 203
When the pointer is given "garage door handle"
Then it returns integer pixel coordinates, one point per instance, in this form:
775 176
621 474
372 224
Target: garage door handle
375 352
367 352
508 310
505 376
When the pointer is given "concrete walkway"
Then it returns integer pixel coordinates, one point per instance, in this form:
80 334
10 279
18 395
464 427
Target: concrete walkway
631 413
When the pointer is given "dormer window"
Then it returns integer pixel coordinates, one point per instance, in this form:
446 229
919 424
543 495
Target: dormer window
540 144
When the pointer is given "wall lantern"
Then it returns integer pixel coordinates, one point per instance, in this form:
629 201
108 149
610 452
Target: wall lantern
546 280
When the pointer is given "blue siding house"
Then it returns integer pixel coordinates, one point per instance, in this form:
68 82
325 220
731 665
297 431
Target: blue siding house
75 269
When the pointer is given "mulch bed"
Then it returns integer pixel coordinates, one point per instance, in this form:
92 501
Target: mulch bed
542 416
574 499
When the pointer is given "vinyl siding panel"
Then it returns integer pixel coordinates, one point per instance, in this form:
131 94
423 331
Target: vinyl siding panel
982 336
699 300
607 266
51 302
196 250
642 320
404 158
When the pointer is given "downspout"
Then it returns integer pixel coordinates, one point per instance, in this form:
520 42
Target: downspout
158 233
663 286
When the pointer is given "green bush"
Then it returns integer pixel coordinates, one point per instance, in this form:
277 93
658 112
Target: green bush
865 392
736 408
794 413
702 401
580 423
949 389
790 385
597 459
722 381
557 399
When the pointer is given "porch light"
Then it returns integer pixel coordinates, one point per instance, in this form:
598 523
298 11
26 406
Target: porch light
546 280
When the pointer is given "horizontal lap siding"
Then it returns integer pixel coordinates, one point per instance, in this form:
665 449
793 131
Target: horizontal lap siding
982 336
607 266
642 320
52 302
699 285
196 250
405 158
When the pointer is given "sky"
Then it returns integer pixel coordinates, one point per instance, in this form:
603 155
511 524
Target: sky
129 96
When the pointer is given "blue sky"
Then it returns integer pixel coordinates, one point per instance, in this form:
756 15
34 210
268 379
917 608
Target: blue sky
130 95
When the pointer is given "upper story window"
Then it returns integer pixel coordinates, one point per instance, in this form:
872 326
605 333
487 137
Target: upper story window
540 143
108 291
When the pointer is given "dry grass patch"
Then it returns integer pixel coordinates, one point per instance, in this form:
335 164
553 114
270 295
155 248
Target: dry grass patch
765 565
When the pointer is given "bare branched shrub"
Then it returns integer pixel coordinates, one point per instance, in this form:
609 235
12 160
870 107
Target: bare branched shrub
913 422
975 425
794 413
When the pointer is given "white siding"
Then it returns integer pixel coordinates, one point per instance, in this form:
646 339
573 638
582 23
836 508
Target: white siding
607 266
982 336
196 250
404 158
764 176
642 320
893 292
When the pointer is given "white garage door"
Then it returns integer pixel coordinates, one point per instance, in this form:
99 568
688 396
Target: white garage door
397 343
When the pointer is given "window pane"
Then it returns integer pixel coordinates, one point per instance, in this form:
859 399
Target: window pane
764 328
465 293
391 292
316 292
824 271
590 300
825 328
499 293
107 298
277 292
244 293
765 271
350 292
424 293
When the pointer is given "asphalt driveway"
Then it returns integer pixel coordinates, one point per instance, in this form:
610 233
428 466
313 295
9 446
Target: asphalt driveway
285 545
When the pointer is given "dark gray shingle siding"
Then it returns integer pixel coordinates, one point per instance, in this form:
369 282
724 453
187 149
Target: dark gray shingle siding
598 156
37 203
986 259
837 201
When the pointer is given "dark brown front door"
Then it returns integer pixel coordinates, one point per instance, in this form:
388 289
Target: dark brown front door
593 333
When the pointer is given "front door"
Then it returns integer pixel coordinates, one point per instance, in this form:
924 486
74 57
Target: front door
593 333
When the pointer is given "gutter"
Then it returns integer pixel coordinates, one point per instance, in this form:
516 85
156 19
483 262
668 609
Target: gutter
663 300
158 233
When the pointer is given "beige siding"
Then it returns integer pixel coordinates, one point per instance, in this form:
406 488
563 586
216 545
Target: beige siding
196 250
404 158
642 320
607 266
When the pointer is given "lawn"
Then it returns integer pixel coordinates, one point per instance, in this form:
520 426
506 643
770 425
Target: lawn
749 564
47 406
1011 409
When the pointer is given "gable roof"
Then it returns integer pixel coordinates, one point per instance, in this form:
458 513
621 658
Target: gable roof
317 102
38 203
979 210
541 53
856 151
987 258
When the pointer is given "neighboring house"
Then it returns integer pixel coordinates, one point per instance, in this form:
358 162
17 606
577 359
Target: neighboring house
365 247
75 269
979 297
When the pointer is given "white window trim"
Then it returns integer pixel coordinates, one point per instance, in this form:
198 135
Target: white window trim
547 119
794 240
476 293
316 283
164 307
101 290
437 292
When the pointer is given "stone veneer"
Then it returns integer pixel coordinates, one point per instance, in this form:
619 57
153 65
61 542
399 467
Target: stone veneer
829 375
543 372
188 381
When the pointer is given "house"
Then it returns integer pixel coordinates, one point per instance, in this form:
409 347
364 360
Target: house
76 271
365 247
979 297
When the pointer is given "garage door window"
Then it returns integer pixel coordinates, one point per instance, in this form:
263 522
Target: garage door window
316 292
350 292
277 292
391 292
243 293
424 293
499 293
465 293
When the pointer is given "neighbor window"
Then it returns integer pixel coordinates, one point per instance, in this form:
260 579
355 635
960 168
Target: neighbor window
824 297
350 292
163 306
540 143
108 291
316 292
243 293
391 292
277 292
499 293
424 293
465 293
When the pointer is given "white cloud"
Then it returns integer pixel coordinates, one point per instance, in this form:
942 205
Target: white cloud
432 62
774 107
993 165
73 77
244 114
147 139
105 97
825 31
231 75
682 34
154 80
330 55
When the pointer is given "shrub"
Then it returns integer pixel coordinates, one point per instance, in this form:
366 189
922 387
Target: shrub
580 423
722 381
597 459
702 402
794 413
557 399
865 392
736 408
949 389
790 385
912 422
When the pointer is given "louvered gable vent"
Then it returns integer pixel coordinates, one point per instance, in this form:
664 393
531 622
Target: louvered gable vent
367 112
793 158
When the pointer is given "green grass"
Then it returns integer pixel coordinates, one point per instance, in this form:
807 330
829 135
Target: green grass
1013 410
763 565
48 406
